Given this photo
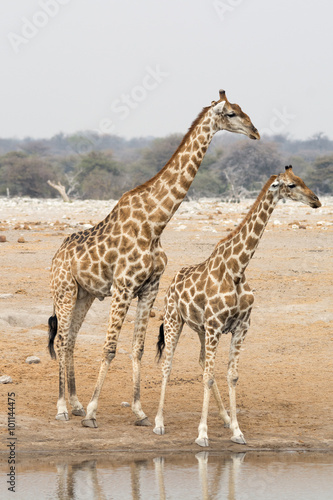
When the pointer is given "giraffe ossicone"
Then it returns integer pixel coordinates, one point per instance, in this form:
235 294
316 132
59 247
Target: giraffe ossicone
122 256
214 298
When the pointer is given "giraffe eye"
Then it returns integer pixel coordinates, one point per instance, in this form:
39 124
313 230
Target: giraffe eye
231 115
291 186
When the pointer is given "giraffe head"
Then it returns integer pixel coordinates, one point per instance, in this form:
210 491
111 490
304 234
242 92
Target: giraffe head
288 185
230 117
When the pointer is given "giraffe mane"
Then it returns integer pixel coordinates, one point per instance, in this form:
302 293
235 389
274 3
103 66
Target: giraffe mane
250 212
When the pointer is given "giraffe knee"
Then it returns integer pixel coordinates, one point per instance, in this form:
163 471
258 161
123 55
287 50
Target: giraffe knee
109 353
232 379
110 356
208 379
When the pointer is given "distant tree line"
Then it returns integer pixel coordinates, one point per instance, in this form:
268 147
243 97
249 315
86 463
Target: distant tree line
91 166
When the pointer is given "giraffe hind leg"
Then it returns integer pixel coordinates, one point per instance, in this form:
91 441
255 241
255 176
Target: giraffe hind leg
208 381
145 303
62 413
61 350
172 328
232 377
216 393
64 305
82 306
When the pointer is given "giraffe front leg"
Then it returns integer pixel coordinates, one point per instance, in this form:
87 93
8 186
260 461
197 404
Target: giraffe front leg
145 303
232 377
120 303
222 411
202 439
208 381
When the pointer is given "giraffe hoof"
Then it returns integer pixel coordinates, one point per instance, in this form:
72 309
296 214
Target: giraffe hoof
202 442
79 412
143 423
159 430
89 422
238 439
62 416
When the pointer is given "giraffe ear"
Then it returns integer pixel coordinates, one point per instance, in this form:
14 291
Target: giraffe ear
218 108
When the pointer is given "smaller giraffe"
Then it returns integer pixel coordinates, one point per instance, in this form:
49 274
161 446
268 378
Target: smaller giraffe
213 298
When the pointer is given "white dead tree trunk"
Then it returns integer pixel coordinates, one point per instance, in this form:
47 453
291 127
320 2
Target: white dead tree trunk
61 189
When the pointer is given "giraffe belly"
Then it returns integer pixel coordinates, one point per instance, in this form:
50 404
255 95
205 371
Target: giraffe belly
94 277
231 324
222 313
98 288
193 315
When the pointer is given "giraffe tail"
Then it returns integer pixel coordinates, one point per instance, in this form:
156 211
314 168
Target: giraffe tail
53 328
160 343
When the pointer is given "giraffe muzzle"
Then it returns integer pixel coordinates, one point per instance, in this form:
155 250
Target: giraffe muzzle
255 135
315 202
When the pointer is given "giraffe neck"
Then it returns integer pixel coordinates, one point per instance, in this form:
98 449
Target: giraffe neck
164 193
238 248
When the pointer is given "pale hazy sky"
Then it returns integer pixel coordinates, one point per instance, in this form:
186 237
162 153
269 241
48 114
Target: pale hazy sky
138 68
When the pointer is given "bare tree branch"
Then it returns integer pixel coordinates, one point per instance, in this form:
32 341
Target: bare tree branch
61 189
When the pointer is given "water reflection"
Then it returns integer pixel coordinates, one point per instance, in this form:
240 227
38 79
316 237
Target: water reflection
72 484
206 475
80 480
181 476
230 468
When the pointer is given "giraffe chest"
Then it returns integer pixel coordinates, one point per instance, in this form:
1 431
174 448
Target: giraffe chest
221 305
230 306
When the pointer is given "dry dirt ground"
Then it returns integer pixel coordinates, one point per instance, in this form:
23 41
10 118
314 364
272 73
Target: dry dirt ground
285 388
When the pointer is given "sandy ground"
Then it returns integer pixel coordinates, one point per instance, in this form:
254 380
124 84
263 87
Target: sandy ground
285 389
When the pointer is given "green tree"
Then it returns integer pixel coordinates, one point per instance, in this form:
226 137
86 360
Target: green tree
301 167
80 144
248 165
151 159
160 152
25 175
320 178
208 181
99 176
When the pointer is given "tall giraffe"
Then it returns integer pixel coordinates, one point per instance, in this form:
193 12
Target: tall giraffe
213 298
122 257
